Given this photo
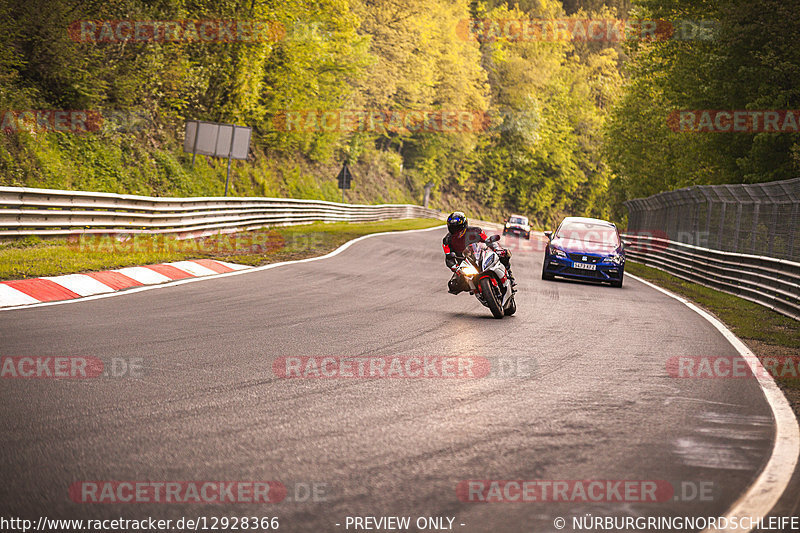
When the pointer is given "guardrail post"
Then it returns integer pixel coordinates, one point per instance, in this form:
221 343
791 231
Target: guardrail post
793 230
735 247
771 231
754 231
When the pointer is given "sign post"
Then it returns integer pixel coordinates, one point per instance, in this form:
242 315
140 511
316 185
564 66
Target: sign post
427 197
344 178
230 154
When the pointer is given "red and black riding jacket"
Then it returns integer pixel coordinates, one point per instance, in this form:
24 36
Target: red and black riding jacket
455 246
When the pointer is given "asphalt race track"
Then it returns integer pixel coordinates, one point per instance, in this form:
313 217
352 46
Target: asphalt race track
596 402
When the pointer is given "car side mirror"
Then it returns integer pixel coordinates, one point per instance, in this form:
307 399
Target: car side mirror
549 235
493 238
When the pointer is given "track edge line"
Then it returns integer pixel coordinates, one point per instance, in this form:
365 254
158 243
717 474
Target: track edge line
762 495
164 285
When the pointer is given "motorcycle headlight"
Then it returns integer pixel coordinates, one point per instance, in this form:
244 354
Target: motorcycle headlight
558 253
469 270
490 261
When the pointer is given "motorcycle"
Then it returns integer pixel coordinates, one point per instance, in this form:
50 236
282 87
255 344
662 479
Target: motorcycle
487 278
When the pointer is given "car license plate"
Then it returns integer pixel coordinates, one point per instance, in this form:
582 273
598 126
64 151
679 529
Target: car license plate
585 266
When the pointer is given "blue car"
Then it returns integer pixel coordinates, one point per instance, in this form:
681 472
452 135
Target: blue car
587 249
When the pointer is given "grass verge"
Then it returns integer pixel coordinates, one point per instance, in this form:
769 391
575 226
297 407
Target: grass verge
765 332
33 257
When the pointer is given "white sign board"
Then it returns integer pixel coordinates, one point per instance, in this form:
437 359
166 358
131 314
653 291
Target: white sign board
217 140
241 142
188 139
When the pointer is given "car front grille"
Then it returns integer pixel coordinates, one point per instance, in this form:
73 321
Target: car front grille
585 258
569 271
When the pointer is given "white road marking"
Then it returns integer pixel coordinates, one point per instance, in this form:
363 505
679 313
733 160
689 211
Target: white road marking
234 266
140 273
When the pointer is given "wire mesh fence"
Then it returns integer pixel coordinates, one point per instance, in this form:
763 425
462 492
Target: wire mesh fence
759 219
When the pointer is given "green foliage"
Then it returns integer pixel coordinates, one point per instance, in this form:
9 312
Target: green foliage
539 153
750 62
543 158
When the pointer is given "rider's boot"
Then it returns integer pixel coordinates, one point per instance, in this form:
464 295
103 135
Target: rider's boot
512 280
453 286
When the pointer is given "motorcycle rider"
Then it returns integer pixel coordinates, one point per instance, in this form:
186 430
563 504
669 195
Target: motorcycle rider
460 235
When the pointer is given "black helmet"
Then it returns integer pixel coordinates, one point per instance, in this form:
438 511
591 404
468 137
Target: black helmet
456 222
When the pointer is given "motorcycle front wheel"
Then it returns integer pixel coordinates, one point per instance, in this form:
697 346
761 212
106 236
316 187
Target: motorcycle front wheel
511 308
491 298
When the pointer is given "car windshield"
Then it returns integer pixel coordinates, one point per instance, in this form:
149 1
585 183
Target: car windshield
589 232
517 220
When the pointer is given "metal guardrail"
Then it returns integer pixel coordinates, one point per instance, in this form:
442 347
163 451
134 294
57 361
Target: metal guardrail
774 283
26 211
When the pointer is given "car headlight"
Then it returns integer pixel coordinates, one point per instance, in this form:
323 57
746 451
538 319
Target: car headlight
615 258
558 253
